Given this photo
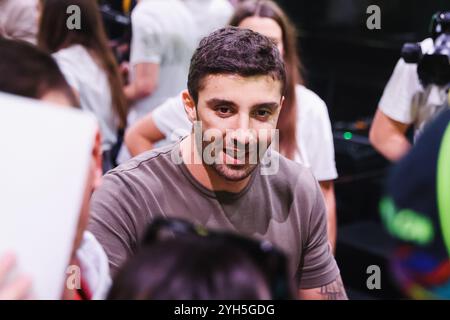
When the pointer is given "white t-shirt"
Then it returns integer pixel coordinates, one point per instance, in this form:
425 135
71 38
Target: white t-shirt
314 135
91 82
94 266
164 33
210 15
18 19
404 98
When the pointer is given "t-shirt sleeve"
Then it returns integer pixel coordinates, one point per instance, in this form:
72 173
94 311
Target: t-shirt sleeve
318 267
171 119
148 40
399 92
322 161
112 220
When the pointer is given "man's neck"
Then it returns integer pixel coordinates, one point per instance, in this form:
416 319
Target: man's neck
204 174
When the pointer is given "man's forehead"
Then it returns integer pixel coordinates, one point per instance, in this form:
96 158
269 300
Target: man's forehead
268 79
260 88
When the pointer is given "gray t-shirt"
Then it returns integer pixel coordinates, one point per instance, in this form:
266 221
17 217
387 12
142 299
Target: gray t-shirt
286 208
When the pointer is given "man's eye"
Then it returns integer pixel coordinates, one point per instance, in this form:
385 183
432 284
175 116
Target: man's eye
263 113
224 110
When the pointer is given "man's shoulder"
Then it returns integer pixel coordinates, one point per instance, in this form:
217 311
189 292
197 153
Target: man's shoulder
140 178
143 162
143 171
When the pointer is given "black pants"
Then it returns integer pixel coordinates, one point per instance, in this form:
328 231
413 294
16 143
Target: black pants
110 156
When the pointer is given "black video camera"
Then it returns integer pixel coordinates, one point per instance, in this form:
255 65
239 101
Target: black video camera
432 67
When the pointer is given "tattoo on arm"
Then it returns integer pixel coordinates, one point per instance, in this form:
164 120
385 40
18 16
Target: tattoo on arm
334 291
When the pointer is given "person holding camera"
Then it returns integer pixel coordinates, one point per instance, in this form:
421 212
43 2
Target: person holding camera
415 93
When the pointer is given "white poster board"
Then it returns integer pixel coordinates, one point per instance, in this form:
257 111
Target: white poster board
45 152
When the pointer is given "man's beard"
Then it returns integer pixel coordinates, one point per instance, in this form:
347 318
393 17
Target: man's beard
238 162
234 173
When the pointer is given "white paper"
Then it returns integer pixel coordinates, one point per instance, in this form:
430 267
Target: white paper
45 152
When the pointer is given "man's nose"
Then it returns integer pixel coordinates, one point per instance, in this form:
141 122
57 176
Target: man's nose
241 137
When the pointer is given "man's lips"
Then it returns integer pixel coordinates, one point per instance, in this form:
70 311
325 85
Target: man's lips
236 157
237 152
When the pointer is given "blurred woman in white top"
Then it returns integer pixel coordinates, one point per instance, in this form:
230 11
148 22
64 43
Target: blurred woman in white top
88 65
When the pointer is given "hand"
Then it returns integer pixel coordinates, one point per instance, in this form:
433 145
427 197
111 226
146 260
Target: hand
19 288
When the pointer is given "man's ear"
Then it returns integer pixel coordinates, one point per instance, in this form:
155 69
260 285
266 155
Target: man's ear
283 99
189 106
96 161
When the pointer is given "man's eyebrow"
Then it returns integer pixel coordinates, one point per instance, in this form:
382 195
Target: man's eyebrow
269 105
215 102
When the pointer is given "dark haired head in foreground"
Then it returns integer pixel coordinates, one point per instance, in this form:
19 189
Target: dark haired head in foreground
29 72
179 260
190 268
